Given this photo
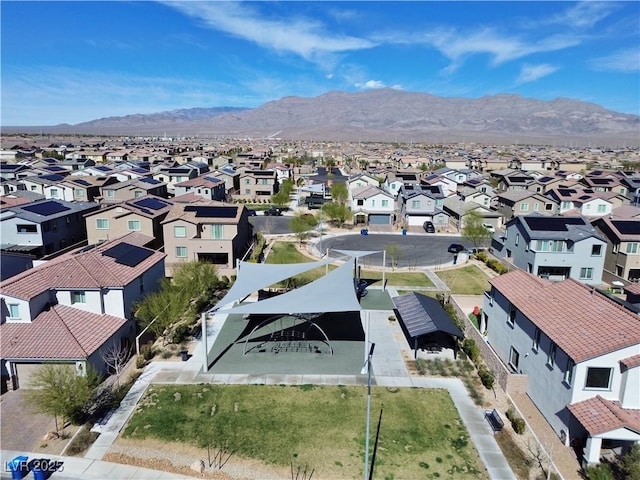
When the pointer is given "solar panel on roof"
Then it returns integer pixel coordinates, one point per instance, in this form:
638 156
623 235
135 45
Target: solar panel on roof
152 203
179 171
102 168
127 254
262 173
213 179
79 181
627 227
52 177
55 168
46 208
601 181
150 180
211 211
552 224
545 179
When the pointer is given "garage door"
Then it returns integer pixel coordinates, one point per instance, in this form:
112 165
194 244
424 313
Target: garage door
24 371
379 219
418 219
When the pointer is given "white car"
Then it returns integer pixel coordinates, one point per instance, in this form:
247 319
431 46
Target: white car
489 227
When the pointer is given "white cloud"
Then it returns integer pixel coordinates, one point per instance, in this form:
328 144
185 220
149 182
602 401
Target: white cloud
627 60
531 73
371 84
301 36
583 15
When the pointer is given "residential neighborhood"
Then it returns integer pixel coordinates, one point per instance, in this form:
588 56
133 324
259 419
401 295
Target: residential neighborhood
90 226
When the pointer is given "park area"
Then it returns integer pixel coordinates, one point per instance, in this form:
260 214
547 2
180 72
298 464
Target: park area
319 427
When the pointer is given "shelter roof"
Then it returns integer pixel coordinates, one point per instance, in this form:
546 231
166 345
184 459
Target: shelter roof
422 315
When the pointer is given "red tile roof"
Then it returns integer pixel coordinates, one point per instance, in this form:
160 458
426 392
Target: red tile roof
62 332
598 415
582 322
631 362
80 271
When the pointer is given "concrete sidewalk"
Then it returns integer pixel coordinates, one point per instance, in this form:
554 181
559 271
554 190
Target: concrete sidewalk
74 468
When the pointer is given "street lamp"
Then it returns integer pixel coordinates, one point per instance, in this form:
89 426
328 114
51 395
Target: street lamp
367 365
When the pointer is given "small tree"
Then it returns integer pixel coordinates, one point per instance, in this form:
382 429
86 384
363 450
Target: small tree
339 193
474 231
115 357
336 213
630 463
301 224
59 391
394 254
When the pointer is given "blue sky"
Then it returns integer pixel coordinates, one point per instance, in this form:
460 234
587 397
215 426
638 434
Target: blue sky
71 61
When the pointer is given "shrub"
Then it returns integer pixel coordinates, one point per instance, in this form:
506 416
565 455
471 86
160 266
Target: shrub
630 463
421 366
82 441
471 349
140 362
482 256
602 471
517 423
147 351
486 377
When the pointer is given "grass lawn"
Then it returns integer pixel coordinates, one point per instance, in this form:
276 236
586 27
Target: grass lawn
421 434
286 252
468 280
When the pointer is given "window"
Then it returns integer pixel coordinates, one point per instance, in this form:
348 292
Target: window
79 192
133 225
598 377
602 209
517 239
385 203
568 374
548 206
360 202
615 247
536 207
415 203
596 250
514 359
536 339
179 231
550 246
586 273
14 310
25 228
78 297
524 207
551 359
512 315
247 181
247 191
181 252
373 202
138 193
632 247
110 193
217 232
102 223
566 205
54 193
265 181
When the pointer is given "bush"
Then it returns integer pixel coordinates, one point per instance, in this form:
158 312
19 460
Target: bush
602 471
517 423
630 463
421 366
140 362
486 377
147 351
482 256
82 441
471 349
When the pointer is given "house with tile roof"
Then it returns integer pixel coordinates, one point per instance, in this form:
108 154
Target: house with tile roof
206 186
214 232
512 203
622 234
579 351
44 227
143 215
257 185
372 206
68 308
421 203
553 247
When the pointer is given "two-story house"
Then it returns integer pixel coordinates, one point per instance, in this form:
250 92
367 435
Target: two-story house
580 352
143 215
512 203
44 227
230 177
257 185
206 186
213 232
553 247
418 204
69 309
622 234
130 189
372 206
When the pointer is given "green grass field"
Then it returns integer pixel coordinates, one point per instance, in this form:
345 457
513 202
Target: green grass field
468 280
421 434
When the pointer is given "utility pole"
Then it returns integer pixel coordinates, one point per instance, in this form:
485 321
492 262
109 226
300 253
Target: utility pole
366 442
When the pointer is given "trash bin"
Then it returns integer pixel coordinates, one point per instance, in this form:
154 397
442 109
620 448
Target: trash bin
404 231
19 467
40 468
185 355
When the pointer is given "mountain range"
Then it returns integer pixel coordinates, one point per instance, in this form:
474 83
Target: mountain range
384 115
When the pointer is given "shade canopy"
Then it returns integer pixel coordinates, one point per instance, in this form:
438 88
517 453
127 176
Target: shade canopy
255 276
356 253
334 292
422 315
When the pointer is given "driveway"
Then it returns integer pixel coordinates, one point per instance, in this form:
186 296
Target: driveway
21 428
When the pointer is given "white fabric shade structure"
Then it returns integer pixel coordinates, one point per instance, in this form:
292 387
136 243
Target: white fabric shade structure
254 276
334 292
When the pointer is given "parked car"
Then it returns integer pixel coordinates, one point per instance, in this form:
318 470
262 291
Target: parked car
455 248
273 212
251 212
489 227
428 227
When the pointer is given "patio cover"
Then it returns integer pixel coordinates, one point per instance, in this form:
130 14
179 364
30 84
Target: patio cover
357 253
254 276
422 315
334 292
